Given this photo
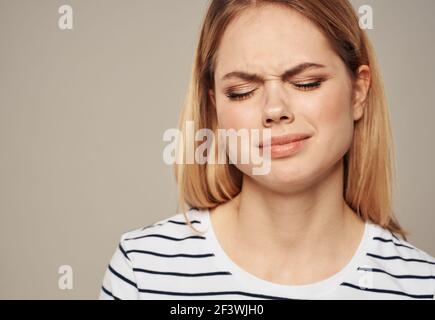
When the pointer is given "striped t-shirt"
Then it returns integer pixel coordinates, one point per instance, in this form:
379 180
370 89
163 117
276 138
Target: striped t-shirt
167 260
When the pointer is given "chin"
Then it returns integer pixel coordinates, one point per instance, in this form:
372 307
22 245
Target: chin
288 171
285 179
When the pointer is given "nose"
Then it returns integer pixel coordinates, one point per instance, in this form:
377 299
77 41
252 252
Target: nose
276 106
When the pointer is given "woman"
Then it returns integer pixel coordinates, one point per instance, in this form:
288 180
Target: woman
320 224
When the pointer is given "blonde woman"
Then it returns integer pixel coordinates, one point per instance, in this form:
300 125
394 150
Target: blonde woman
320 224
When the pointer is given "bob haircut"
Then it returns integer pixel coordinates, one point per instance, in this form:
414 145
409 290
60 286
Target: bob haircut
369 162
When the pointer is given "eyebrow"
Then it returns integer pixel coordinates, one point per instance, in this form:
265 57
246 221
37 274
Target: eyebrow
287 74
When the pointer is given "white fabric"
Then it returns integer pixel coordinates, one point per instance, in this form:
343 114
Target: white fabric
167 260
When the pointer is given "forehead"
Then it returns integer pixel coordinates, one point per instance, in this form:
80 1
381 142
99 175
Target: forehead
269 39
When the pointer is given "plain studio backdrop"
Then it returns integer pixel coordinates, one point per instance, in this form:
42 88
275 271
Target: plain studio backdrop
83 111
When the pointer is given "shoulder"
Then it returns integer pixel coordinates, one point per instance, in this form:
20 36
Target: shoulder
163 234
175 223
144 253
387 243
394 259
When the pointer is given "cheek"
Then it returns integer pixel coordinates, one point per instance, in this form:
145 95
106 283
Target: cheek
239 116
333 119
236 115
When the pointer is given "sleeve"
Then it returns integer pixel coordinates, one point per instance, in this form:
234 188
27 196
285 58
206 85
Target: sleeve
431 262
119 282
432 259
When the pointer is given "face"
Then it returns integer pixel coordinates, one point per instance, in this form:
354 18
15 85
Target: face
319 99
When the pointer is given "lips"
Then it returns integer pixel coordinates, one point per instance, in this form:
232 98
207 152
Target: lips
284 139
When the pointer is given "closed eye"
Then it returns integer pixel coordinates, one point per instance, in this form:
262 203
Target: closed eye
308 86
240 96
300 86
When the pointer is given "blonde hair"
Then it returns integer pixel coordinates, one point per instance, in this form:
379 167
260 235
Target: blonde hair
369 162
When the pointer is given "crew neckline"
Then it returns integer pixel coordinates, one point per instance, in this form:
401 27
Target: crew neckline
257 284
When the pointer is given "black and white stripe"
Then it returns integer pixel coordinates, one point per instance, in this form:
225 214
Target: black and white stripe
166 260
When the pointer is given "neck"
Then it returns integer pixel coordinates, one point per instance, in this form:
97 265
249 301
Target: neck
295 223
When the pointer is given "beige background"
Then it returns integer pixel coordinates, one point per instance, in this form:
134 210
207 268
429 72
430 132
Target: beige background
82 113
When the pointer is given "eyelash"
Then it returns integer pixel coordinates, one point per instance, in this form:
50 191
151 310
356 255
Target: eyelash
304 87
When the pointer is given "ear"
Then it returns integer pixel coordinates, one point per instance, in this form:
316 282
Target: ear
360 91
